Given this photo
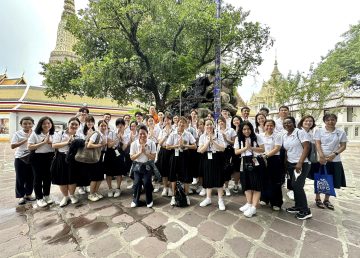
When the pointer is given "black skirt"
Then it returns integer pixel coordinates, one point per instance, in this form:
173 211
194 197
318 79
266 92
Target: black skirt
252 179
213 170
228 166
180 167
194 160
274 170
114 165
62 173
335 169
236 162
95 171
82 173
163 162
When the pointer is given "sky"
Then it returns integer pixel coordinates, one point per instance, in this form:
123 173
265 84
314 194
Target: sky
303 30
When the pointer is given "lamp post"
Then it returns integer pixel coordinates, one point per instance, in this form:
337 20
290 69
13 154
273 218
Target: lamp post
217 82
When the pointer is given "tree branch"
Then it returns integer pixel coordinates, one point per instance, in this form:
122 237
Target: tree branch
180 29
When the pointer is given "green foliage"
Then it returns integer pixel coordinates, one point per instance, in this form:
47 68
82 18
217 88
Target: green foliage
147 50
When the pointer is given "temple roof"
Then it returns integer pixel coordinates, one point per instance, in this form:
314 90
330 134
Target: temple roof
4 80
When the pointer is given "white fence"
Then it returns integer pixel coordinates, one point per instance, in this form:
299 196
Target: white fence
352 130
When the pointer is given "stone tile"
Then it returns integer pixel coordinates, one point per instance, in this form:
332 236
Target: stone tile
172 255
351 225
61 247
123 218
191 218
205 211
73 255
172 210
101 204
123 255
155 220
13 232
109 211
240 246
12 220
134 232
288 217
353 251
323 215
281 243
249 228
286 228
262 253
14 246
104 246
353 237
195 247
76 211
92 230
316 245
224 218
139 213
321 227
160 202
212 230
83 220
174 232
150 247
52 234
49 221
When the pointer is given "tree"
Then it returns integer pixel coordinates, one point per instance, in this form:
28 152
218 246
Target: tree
146 50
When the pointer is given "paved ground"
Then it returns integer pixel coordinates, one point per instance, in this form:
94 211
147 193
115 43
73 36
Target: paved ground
110 228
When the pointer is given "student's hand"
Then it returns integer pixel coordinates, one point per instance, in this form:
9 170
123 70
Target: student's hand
322 160
330 157
90 131
298 167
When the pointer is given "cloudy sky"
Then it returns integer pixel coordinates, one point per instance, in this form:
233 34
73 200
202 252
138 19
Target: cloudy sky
303 32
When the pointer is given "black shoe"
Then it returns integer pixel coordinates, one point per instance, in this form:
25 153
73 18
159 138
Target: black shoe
293 210
303 215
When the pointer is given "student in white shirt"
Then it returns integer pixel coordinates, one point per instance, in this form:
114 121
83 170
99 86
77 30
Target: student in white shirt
297 145
41 140
330 142
284 112
236 160
212 146
246 145
64 174
97 140
180 142
142 151
24 176
260 119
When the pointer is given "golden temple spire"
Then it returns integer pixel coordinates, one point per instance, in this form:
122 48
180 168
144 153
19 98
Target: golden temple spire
275 71
65 40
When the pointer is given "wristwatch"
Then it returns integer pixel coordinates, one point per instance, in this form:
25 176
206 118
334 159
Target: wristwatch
336 153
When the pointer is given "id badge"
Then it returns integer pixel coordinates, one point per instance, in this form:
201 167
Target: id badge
256 162
210 155
117 152
177 151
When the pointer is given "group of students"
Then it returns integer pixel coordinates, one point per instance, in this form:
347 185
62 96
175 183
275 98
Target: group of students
258 155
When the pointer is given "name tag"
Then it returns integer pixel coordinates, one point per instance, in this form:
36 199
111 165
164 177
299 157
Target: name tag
117 153
210 155
256 162
177 151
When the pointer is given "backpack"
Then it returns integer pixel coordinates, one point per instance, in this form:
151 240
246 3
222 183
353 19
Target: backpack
180 196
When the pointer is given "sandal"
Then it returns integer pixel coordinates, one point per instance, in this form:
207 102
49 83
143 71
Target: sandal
319 203
328 205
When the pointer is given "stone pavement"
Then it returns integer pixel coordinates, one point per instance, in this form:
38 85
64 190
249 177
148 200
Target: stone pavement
110 228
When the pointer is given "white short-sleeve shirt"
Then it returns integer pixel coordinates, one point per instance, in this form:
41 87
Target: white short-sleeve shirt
259 141
229 134
330 141
102 137
218 138
37 138
136 146
114 137
293 144
155 135
22 150
270 141
174 138
165 133
279 127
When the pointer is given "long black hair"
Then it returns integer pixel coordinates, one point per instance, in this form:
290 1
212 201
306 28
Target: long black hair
257 123
86 128
232 120
241 136
38 128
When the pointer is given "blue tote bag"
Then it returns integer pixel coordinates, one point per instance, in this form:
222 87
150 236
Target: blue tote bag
324 183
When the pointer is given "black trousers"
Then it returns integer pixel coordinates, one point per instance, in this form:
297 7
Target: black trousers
24 178
142 177
298 185
41 169
273 178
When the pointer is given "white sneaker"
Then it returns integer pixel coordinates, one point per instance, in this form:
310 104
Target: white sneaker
245 207
81 190
250 212
64 201
93 197
190 191
165 191
276 208
21 201
221 204
156 188
198 190
48 200
133 205
117 193
290 194
150 205
194 182
99 195
262 203
227 191
205 202
87 189
110 193
188 200
130 186
202 192
173 202
74 199
41 203
170 192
